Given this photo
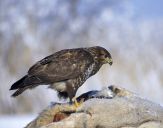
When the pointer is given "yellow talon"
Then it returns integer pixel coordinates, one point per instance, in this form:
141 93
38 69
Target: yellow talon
76 103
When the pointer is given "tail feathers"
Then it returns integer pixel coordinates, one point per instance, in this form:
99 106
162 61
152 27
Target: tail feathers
18 92
25 83
19 83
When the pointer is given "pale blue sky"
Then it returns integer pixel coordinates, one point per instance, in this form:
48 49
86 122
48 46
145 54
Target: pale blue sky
148 8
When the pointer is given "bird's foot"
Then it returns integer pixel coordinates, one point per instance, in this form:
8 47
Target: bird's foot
76 103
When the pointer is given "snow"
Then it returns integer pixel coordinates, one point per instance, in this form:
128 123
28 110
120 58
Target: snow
15 121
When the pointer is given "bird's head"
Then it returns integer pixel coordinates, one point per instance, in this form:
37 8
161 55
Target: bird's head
102 55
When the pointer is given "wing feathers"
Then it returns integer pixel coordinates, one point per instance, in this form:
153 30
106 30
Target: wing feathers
26 81
65 64
19 83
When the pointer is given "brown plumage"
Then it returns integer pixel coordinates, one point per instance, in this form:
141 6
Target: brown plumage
65 70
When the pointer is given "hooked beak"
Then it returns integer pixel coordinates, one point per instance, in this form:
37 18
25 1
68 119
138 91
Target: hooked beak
109 60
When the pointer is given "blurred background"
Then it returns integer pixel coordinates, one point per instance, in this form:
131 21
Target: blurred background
132 31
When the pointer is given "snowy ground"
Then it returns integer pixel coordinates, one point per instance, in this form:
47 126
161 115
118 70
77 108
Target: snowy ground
15 121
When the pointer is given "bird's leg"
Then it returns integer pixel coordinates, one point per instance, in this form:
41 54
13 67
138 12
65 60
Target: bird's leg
73 99
75 102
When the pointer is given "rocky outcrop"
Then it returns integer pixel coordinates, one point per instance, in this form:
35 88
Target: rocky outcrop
112 107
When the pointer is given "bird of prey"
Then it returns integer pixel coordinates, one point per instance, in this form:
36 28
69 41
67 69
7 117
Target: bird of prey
65 71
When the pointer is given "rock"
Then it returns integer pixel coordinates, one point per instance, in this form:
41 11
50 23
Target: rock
112 107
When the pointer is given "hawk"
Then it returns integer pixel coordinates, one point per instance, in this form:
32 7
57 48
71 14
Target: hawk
65 71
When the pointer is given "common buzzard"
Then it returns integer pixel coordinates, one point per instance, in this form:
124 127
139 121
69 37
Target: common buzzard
65 70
